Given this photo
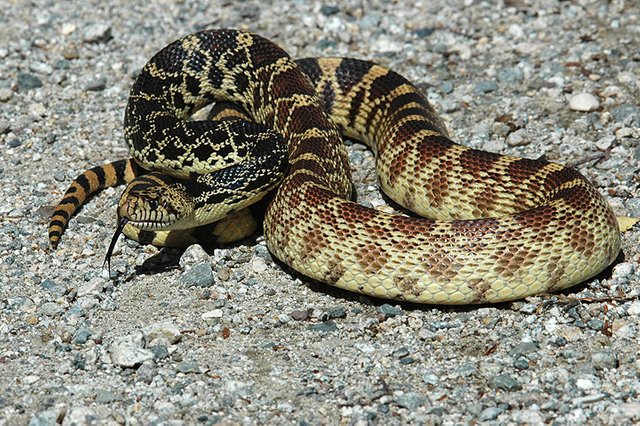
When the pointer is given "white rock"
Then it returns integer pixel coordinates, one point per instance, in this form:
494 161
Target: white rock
165 329
212 317
634 309
193 255
129 351
67 28
584 102
584 384
518 138
624 132
80 415
623 270
94 286
605 143
258 265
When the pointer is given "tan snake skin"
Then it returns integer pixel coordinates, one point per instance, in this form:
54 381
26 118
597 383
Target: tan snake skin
503 227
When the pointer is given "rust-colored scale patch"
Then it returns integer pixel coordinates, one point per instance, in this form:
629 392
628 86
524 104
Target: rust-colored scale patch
520 171
582 240
371 257
514 258
306 117
476 162
576 198
537 219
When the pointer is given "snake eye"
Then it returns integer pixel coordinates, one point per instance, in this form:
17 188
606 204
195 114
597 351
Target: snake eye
153 204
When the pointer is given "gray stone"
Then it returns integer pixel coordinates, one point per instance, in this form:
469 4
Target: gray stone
188 367
80 415
325 327
199 275
627 114
14 143
28 81
490 413
97 32
51 309
595 324
328 10
5 96
390 310
504 382
52 287
410 400
41 67
524 348
81 336
96 85
107 397
447 87
485 87
338 312
604 359
510 75
159 351
521 363
430 378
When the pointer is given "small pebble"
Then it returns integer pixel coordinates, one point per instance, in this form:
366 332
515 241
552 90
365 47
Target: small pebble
5 96
96 85
584 102
490 413
634 308
300 315
193 255
188 367
199 275
504 382
213 317
98 32
165 330
51 309
128 351
518 138
485 87
28 81
410 400
325 327
81 336
430 378
390 310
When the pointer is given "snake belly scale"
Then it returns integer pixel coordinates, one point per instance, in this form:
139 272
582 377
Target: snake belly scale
499 227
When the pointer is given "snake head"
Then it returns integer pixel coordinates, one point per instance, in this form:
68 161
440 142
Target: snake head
156 202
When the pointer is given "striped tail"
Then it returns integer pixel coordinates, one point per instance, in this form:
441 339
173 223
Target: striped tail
88 183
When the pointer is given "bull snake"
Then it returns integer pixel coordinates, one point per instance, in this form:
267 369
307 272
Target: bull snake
500 228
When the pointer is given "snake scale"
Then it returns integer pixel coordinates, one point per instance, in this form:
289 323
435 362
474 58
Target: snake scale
499 227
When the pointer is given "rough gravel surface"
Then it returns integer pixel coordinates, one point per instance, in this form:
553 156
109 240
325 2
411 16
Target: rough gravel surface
231 336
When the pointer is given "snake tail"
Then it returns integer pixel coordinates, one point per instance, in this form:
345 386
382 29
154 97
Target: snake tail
85 185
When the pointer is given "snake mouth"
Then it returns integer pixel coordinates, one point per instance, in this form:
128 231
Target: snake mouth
149 225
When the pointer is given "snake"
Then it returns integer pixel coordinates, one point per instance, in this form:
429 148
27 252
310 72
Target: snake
494 227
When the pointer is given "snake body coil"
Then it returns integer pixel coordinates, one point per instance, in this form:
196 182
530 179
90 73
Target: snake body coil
502 227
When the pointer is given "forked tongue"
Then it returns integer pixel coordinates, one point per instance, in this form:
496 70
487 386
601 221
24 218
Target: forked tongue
107 259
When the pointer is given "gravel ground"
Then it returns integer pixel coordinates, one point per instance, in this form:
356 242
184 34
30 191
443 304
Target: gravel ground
230 336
